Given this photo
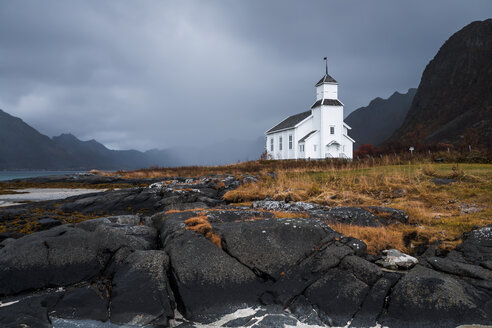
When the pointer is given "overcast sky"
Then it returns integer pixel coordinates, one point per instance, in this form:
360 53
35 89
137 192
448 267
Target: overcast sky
158 74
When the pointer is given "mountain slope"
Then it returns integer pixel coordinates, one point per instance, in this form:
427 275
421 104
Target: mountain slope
454 96
93 154
375 123
22 147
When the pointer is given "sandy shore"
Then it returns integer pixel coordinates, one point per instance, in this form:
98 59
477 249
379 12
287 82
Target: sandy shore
40 194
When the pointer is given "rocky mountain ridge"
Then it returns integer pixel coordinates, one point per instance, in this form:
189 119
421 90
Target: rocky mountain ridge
376 122
454 98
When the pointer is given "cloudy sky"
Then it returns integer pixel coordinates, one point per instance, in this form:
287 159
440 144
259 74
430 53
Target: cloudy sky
159 74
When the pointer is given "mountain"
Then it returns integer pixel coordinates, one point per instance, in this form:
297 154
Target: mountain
22 147
94 154
375 123
454 98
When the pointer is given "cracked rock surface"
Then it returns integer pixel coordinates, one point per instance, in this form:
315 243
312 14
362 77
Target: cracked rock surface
266 271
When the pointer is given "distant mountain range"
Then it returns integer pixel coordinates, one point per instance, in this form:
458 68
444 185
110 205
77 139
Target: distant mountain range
24 148
454 98
375 123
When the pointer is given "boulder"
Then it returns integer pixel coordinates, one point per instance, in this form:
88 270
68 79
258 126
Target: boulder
355 216
300 276
273 205
460 269
270 246
27 313
338 295
141 294
364 270
427 298
30 311
442 181
91 225
66 254
477 245
375 301
207 281
393 259
82 303
389 215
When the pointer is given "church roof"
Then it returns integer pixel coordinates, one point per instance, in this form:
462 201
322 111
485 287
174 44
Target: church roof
307 136
290 122
327 102
326 79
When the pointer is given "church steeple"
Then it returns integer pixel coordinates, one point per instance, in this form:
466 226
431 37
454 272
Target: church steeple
327 87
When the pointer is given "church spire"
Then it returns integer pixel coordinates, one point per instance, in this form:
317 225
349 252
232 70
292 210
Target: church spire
326 64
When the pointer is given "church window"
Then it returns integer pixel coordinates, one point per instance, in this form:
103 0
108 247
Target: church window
315 147
280 143
271 144
301 148
332 130
290 141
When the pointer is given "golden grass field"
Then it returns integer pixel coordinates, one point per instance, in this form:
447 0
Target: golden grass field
439 213
436 212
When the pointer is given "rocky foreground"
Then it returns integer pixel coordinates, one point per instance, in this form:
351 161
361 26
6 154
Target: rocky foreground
186 257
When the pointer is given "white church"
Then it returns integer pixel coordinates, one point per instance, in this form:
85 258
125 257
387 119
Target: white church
314 134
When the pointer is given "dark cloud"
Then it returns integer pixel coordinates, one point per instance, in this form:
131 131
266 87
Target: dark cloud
160 74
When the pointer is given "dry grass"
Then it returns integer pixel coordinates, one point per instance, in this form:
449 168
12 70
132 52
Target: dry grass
265 166
435 211
376 238
28 223
200 225
289 215
10 187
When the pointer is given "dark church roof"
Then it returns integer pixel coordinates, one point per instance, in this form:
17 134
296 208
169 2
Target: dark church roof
327 102
326 79
290 122
307 136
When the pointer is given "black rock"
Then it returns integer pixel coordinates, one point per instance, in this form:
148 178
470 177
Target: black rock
442 181
141 294
304 311
65 255
362 269
374 303
271 246
82 303
338 294
31 311
355 216
207 281
426 298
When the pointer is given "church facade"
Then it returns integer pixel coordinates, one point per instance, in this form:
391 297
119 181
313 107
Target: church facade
314 134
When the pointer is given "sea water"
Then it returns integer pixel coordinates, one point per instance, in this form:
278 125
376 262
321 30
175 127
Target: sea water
9 175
